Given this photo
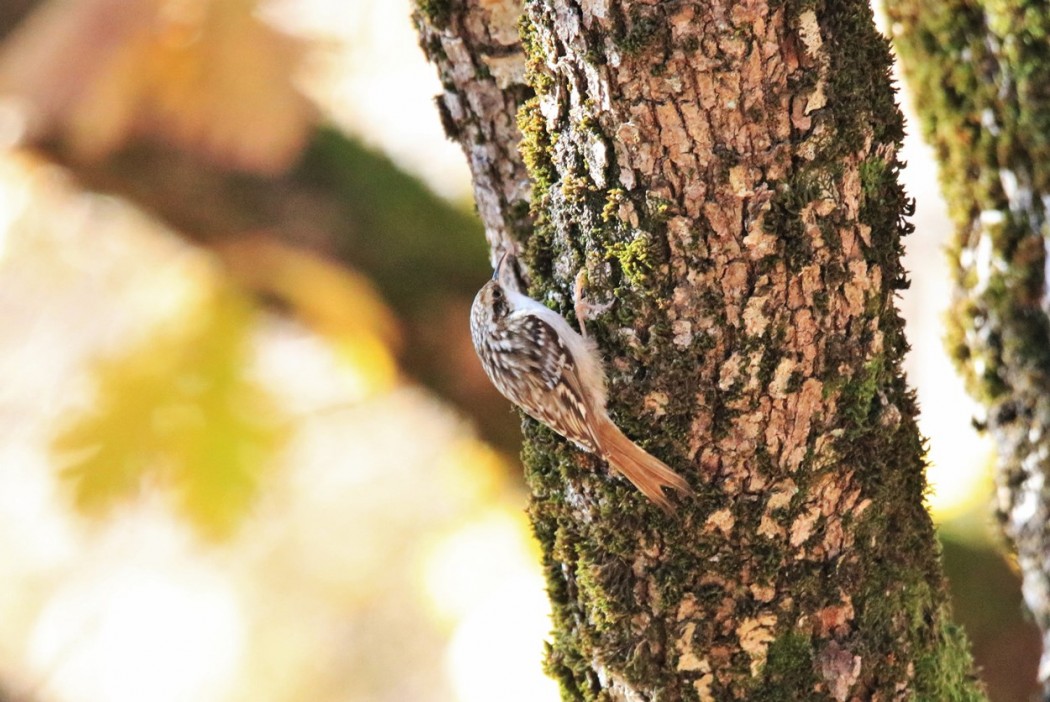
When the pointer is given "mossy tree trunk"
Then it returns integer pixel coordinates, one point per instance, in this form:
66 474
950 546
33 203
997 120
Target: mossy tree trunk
981 73
726 173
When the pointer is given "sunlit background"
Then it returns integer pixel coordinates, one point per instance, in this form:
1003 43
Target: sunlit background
213 488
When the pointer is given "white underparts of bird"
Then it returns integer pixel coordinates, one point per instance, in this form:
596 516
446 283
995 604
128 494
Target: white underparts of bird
553 373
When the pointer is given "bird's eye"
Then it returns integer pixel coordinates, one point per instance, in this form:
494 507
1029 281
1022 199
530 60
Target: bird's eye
497 294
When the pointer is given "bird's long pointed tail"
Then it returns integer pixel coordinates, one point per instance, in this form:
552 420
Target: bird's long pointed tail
648 473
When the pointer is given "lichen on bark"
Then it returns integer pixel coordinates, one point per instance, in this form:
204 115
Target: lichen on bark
726 174
981 77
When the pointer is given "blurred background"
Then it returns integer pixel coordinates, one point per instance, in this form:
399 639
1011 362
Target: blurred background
245 448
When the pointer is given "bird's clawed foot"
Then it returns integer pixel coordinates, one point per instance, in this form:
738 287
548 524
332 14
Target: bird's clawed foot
583 307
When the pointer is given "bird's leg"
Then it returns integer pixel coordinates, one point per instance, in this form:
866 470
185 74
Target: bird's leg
582 306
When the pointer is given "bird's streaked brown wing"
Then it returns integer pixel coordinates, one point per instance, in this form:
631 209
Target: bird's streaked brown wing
540 376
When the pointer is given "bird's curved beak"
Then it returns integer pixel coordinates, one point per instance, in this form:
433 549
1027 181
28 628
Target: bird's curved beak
499 265
507 272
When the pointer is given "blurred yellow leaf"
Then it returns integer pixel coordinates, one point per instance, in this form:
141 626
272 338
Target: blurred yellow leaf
205 75
337 303
179 410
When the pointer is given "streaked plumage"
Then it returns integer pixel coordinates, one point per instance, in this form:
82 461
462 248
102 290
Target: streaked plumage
541 364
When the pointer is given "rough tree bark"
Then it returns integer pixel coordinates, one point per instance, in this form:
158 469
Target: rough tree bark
727 175
981 72
726 172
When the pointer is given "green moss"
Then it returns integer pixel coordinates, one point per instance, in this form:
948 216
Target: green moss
535 148
564 664
942 666
437 12
886 207
658 210
434 50
861 101
789 669
873 172
536 73
613 199
589 121
594 55
857 401
771 355
640 32
604 588
946 673
634 257
784 218
820 301
575 188
519 219
912 618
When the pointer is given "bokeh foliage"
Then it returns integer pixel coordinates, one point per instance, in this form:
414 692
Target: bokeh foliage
179 410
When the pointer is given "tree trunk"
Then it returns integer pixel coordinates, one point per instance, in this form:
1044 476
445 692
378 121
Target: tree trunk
726 173
981 72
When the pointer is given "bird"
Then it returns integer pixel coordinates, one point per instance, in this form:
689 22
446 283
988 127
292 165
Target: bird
555 375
